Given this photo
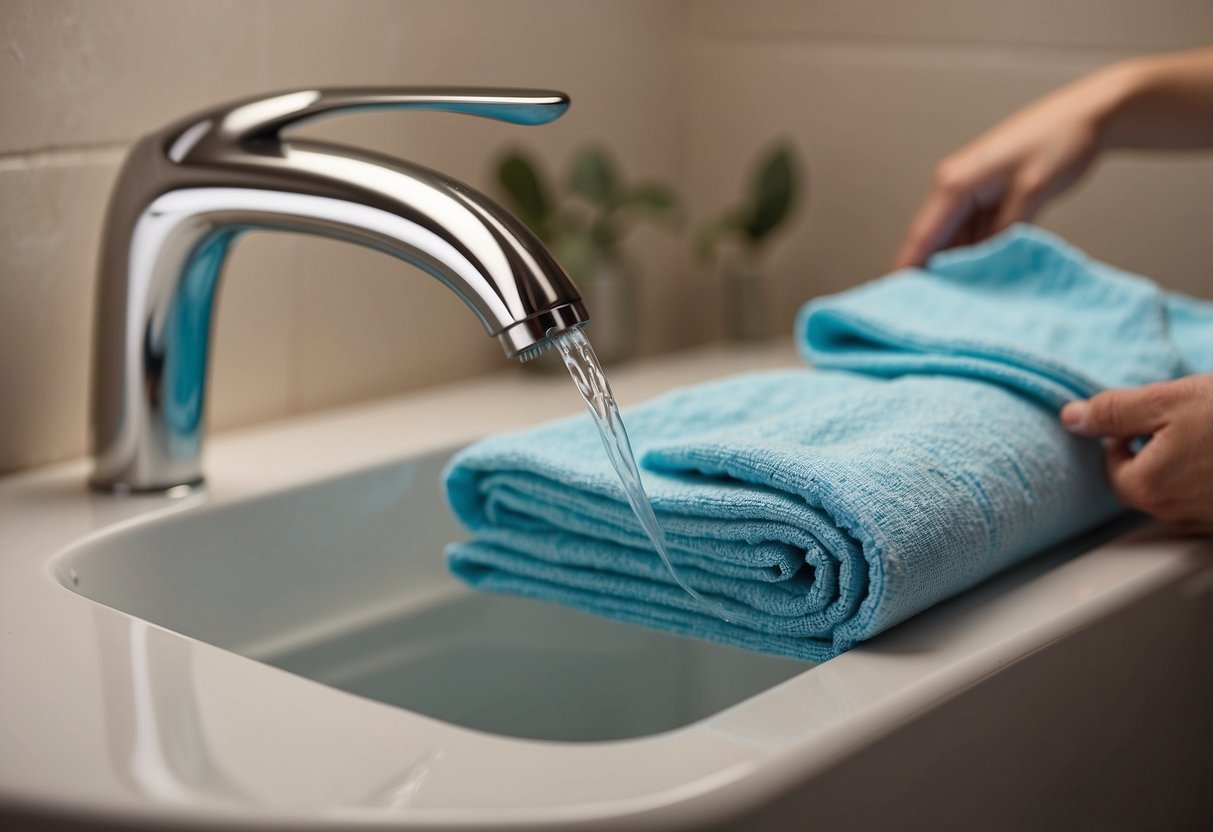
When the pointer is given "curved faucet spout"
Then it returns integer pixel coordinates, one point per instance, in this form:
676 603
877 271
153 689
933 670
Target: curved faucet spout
186 192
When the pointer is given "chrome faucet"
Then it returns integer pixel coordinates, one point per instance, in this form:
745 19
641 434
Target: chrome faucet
187 191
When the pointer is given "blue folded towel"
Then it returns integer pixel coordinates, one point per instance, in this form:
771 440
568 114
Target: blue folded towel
827 505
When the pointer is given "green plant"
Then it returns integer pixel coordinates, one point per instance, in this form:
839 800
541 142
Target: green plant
585 226
772 195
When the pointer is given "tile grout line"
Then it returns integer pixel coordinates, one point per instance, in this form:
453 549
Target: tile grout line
106 153
956 47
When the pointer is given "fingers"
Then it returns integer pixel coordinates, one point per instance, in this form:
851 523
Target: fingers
1171 477
1122 414
1128 475
1022 201
937 223
984 224
1168 479
969 202
1118 456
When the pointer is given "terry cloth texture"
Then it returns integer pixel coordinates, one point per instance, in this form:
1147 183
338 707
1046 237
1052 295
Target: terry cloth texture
920 456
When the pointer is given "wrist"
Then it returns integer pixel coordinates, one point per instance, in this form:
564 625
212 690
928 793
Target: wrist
1113 93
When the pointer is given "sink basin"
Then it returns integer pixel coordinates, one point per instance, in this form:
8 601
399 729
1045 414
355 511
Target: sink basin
285 650
342 582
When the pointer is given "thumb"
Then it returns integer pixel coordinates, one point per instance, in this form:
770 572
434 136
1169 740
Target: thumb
1117 413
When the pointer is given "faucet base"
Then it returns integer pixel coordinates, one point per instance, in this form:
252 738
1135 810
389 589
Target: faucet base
172 492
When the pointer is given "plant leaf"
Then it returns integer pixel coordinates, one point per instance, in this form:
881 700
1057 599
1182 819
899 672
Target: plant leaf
578 252
653 198
593 176
774 188
520 178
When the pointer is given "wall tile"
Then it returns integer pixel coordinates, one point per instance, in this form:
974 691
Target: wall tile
85 73
48 245
372 325
253 335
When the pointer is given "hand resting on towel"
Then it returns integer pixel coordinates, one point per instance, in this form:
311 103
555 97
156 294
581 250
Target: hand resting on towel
1171 476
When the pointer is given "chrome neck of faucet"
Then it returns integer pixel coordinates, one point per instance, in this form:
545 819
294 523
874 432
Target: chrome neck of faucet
188 191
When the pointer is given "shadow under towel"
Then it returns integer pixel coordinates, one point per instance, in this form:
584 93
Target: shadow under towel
920 457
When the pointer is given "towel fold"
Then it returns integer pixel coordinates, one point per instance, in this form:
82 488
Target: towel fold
826 505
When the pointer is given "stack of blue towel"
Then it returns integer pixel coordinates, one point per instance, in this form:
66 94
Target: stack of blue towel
920 456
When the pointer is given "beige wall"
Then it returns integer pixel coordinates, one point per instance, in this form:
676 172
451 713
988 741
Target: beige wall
873 93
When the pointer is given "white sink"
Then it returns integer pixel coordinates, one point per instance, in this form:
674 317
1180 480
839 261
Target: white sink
287 650
342 582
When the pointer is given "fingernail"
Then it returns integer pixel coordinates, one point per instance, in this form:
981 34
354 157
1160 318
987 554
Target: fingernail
1074 414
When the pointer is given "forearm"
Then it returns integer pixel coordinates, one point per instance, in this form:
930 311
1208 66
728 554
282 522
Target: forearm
1159 102
1007 174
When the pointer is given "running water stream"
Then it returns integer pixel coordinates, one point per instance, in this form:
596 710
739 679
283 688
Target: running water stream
592 383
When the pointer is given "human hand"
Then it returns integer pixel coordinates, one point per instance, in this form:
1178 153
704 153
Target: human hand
1172 476
1006 175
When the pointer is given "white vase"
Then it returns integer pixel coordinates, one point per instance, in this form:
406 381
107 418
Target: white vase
745 304
609 293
